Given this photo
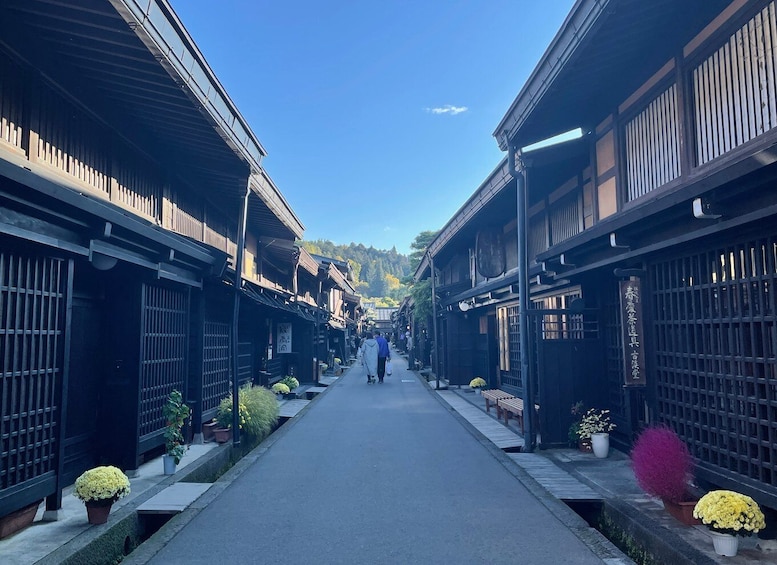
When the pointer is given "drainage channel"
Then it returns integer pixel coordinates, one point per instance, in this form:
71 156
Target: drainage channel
642 541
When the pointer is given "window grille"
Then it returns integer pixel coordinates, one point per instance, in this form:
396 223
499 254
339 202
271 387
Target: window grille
653 145
215 370
565 217
716 354
10 103
163 357
32 311
734 88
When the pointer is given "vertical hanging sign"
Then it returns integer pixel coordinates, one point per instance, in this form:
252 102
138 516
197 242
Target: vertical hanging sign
633 333
284 338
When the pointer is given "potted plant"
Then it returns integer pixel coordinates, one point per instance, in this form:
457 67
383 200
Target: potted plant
729 514
663 467
175 412
99 488
224 417
281 389
596 426
292 383
477 384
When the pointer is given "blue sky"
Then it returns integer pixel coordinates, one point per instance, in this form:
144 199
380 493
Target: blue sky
376 116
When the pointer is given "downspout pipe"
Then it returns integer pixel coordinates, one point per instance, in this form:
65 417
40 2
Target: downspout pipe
434 320
241 240
519 174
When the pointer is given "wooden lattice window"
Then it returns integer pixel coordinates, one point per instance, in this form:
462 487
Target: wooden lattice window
71 142
715 339
163 356
215 364
653 145
734 89
565 218
32 312
509 346
11 97
138 187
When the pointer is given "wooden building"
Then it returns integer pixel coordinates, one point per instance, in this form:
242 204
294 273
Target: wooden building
652 247
125 175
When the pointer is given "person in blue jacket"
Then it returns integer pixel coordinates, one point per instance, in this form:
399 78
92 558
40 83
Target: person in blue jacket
384 354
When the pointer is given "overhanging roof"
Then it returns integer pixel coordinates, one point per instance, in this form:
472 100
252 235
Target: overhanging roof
485 193
95 226
599 57
132 66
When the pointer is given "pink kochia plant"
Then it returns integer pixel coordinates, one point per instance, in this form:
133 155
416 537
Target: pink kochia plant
662 464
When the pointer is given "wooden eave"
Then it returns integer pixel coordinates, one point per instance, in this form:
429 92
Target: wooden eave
307 262
96 224
262 185
483 195
589 69
149 85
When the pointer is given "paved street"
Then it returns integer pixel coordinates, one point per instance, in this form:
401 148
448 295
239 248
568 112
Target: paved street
380 473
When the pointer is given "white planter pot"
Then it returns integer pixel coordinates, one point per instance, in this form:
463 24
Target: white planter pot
601 445
725 544
169 464
477 390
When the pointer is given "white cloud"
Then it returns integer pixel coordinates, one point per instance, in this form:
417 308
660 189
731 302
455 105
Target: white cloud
448 109
388 228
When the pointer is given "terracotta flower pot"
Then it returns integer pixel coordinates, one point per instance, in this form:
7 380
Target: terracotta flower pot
18 520
222 435
682 511
97 511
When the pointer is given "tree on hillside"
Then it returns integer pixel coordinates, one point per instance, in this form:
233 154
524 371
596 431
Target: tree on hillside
378 282
356 269
419 245
392 282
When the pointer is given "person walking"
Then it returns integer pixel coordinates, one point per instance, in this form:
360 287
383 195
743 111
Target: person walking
369 351
384 354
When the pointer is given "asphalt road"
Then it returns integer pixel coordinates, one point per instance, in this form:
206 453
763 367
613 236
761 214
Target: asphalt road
379 473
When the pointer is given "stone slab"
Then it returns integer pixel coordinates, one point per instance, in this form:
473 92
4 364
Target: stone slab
314 390
174 499
290 408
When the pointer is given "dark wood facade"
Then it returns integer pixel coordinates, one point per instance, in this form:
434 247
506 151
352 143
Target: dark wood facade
671 187
120 199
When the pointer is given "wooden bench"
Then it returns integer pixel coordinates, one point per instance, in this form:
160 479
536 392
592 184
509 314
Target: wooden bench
505 407
493 396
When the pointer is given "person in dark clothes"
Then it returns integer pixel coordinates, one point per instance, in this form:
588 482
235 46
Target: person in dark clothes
384 354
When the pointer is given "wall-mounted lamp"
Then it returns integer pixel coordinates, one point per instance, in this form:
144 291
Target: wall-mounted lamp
102 262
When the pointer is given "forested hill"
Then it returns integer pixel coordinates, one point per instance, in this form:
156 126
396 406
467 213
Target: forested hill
377 272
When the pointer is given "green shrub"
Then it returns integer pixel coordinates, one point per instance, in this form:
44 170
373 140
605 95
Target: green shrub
281 388
258 411
290 382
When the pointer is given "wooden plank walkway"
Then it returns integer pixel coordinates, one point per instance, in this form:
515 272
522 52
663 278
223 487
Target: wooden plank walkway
553 478
499 435
173 499
290 408
326 381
